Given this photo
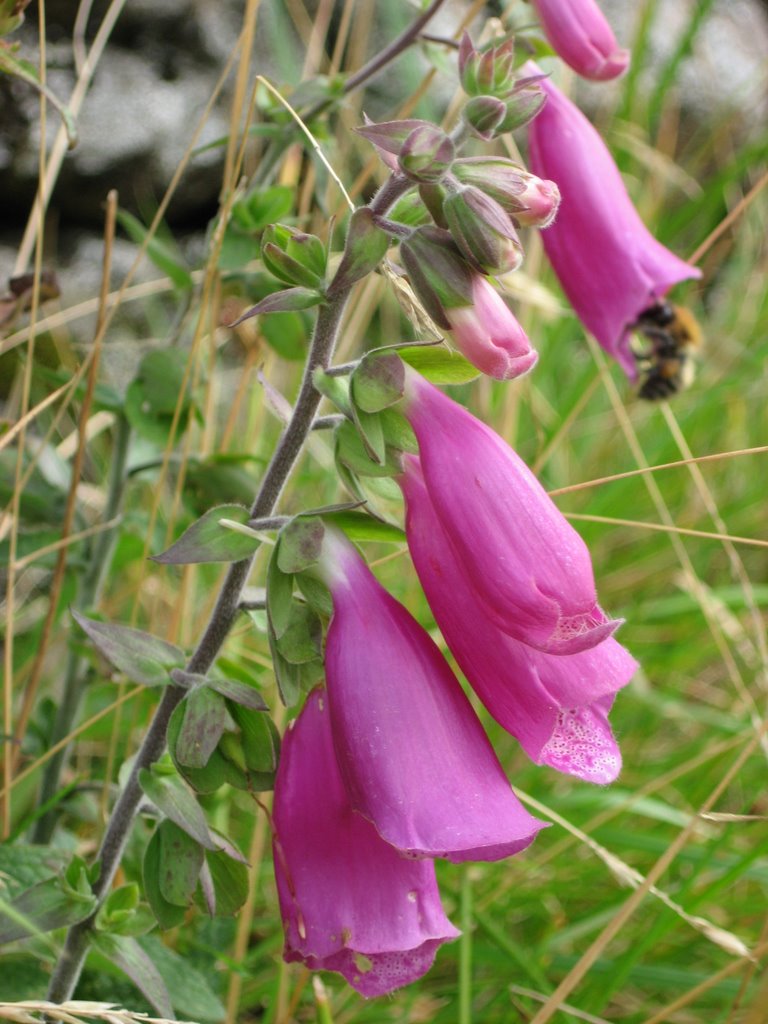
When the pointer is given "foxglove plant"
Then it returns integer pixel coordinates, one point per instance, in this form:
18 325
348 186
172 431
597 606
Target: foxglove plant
413 755
389 766
622 270
556 706
349 901
578 31
529 568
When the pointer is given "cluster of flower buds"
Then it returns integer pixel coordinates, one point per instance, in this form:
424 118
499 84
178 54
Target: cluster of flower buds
476 205
388 767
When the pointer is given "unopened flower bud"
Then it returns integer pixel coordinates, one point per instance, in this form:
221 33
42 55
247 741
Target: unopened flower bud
488 72
523 104
438 273
427 154
483 231
484 114
531 201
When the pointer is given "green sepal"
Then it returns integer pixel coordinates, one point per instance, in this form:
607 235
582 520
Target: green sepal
301 641
224 884
260 740
205 719
352 452
378 381
168 915
293 256
334 388
218 770
279 593
181 859
365 247
176 801
398 432
317 594
371 434
301 542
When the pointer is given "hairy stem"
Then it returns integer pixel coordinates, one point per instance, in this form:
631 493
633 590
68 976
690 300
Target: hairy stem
286 454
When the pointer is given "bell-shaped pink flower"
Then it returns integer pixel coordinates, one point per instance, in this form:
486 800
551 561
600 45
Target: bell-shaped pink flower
488 334
578 31
610 266
556 707
412 752
349 901
528 566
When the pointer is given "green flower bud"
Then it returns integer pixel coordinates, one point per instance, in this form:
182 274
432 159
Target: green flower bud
427 154
482 231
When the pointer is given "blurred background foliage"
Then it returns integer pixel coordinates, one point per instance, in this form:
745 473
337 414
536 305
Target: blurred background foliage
143 409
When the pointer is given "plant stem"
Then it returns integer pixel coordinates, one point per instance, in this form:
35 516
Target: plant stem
67 971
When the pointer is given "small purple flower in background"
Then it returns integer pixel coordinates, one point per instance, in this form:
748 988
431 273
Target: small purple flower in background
349 901
555 706
610 266
578 31
529 568
412 752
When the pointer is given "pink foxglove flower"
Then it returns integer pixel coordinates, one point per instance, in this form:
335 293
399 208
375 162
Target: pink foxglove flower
578 31
349 901
413 754
556 707
488 335
610 266
530 569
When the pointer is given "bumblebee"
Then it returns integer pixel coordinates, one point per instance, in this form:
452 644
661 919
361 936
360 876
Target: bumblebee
667 365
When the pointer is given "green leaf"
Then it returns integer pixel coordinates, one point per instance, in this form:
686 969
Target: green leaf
230 883
42 908
301 541
287 300
190 993
206 540
279 593
287 334
142 657
302 639
127 954
232 689
180 861
22 866
167 259
205 719
167 914
171 796
439 364
359 526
